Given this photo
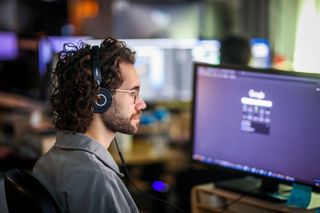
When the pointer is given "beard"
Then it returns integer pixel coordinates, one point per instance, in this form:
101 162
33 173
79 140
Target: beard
116 122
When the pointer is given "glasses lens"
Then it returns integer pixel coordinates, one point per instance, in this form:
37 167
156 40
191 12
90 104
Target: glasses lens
135 95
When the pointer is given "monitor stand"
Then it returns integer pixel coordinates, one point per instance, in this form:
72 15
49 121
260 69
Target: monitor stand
252 186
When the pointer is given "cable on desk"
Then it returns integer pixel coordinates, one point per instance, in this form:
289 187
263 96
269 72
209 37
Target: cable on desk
235 201
144 193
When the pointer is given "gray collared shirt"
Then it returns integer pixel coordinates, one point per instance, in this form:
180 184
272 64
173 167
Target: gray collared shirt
83 177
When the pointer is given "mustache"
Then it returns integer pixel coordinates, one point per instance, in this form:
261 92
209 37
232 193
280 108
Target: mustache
136 115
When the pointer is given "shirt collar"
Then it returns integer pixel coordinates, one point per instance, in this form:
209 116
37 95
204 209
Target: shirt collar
79 141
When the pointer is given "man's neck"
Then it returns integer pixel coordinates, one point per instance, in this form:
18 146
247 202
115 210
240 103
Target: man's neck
98 131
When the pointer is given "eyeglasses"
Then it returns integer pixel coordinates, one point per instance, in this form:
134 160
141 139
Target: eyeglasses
134 93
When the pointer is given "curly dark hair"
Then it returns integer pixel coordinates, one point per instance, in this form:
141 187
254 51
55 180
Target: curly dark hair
74 90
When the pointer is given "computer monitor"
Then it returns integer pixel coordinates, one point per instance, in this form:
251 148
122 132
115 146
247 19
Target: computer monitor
260 53
261 122
208 51
165 68
48 46
9 46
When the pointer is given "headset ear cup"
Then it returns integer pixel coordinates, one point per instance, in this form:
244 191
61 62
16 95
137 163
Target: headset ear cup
104 102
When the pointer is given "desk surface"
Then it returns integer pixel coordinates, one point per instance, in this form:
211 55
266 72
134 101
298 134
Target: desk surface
144 152
278 207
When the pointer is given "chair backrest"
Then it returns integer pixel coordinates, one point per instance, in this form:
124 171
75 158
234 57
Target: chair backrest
24 193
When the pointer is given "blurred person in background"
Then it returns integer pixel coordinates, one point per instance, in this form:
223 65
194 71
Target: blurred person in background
235 50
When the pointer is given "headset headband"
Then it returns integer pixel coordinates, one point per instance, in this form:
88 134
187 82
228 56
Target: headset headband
95 58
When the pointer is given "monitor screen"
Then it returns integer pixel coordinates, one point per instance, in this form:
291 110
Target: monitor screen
165 68
208 51
50 45
260 53
9 46
259 121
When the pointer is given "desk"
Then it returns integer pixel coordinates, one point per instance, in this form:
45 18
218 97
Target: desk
208 198
144 152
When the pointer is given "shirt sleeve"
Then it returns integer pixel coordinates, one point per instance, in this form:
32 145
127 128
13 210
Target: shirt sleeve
103 191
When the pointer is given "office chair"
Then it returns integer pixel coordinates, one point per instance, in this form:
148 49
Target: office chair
24 193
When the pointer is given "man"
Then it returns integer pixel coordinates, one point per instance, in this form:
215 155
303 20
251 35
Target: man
236 50
78 171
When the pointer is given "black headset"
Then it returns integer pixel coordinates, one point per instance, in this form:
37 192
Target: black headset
104 96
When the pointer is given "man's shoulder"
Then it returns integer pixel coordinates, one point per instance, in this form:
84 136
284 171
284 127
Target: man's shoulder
77 162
